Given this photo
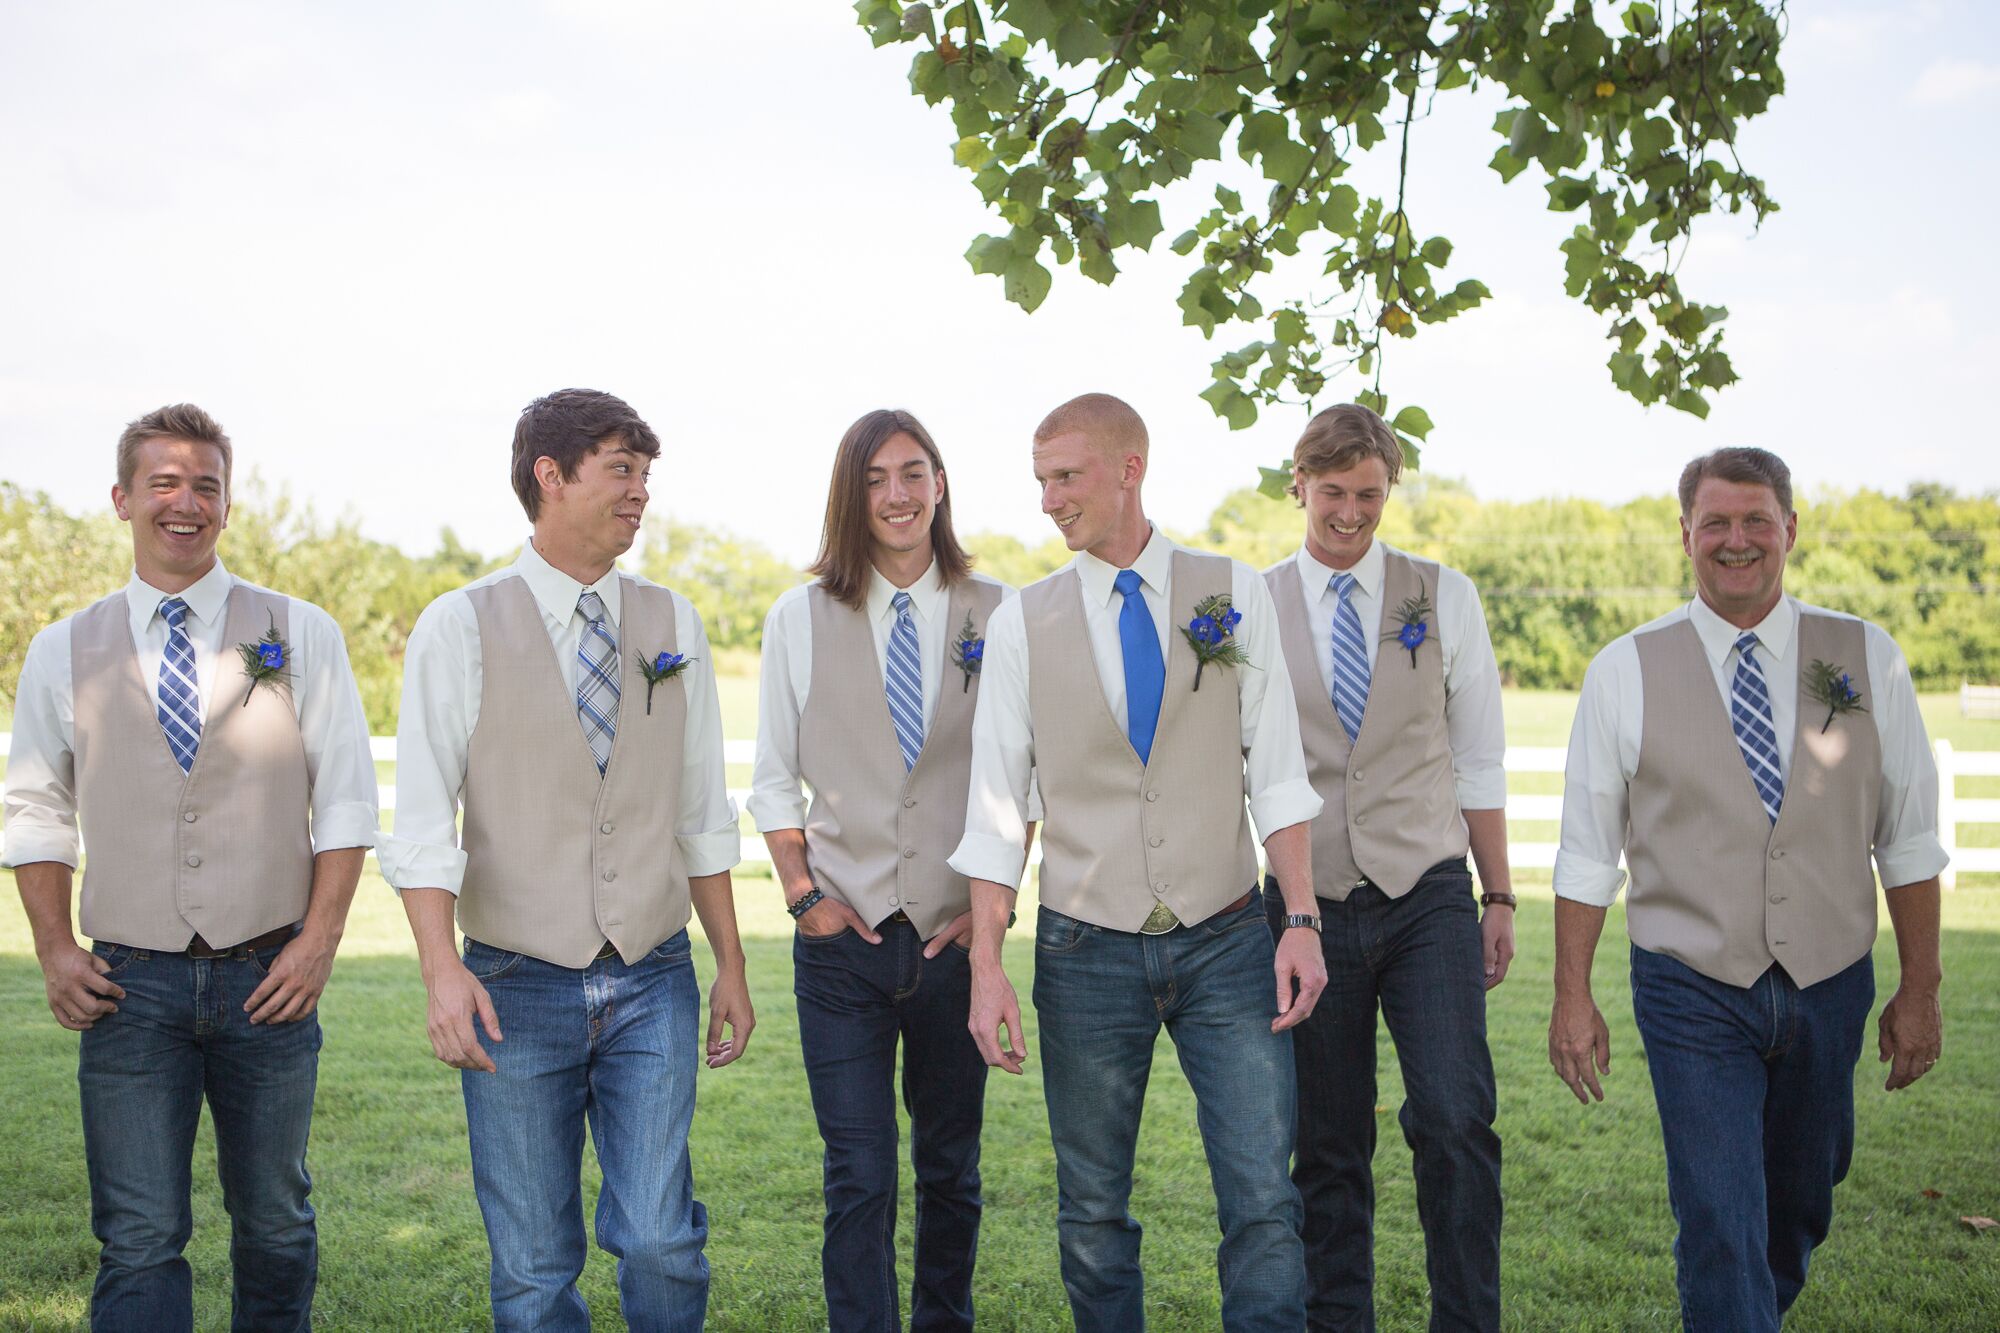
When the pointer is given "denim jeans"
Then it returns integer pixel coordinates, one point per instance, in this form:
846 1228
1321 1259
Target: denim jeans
615 1046
856 1000
1755 1087
1101 997
1419 958
181 1035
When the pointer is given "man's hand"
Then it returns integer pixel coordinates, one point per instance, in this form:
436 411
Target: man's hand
830 916
1496 942
1912 1035
959 930
1300 960
79 992
729 1005
995 1007
455 997
1579 1045
291 989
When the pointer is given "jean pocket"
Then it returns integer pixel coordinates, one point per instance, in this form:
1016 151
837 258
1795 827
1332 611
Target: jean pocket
487 963
834 938
1056 933
117 955
674 949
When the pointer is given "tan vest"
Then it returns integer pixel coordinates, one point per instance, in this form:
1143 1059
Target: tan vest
1714 882
225 849
559 859
1391 808
1120 836
877 835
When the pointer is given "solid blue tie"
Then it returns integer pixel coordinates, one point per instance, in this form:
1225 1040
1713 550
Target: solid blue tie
1756 734
1351 667
180 696
903 683
1145 669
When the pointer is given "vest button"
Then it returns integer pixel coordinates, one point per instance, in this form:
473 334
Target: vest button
909 802
1777 897
610 875
1155 840
1356 775
1152 796
194 860
605 827
1161 887
909 852
1777 853
1360 820
893 903
190 816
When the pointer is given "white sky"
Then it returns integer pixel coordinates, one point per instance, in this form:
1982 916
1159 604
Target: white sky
364 235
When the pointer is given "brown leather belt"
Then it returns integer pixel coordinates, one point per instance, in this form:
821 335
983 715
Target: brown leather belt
1236 906
270 939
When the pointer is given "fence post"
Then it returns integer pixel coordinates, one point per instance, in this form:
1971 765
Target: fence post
1947 772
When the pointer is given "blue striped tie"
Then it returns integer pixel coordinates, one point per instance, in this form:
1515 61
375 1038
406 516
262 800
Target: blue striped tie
180 696
904 683
1351 667
597 683
1756 734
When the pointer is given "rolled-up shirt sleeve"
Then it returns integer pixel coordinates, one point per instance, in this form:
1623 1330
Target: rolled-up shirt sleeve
1003 757
1907 848
334 730
705 830
441 686
1472 714
1595 778
1274 757
41 769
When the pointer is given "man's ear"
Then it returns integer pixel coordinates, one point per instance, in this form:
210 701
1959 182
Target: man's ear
548 475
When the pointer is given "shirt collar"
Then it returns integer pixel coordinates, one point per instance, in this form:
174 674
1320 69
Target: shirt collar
925 594
1152 566
556 592
1718 636
205 598
1318 578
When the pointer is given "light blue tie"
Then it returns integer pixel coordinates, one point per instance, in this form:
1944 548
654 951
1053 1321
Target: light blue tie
903 682
180 696
597 682
1351 666
1145 669
1756 734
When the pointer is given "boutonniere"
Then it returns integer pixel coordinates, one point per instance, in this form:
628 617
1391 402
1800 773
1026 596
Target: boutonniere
269 658
659 667
1212 634
968 653
1414 618
1829 685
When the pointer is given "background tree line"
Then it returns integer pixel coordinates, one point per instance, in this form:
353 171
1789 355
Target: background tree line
1559 577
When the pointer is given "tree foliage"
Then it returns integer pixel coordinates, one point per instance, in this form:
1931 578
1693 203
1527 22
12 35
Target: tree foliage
1078 118
731 580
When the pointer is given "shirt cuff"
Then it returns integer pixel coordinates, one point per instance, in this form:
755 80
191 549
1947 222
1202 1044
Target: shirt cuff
349 824
420 865
1281 806
27 844
1910 861
1483 789
983 856
1585 881
712 852
771 813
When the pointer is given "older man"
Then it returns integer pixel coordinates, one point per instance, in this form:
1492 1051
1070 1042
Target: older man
1748 754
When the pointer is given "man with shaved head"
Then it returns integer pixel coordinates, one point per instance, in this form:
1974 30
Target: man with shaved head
1144 685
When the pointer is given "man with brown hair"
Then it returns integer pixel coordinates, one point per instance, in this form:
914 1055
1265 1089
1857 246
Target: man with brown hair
1399 708
1142 685
870 679
208 734
1748 754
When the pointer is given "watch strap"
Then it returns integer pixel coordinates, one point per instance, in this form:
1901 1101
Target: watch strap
1504 899
1302 919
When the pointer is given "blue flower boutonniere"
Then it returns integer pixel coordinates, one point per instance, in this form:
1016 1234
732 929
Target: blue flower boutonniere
1413 621
659 667
968 652
1829 685
1212 635
268 659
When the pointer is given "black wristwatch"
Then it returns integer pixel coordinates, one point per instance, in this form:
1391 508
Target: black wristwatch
1302 919
807 901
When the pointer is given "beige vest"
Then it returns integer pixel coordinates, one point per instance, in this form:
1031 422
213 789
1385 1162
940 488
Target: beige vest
1391 808
877 835
559 859
225 849
1120 836
1714 882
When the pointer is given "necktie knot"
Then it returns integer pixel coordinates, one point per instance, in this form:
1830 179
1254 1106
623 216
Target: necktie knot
1127 581
592 607
901 601
174 611
1746 642
1343 586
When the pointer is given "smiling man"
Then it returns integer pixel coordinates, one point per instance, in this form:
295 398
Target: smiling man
229 807
570 711
1748 754
1145 739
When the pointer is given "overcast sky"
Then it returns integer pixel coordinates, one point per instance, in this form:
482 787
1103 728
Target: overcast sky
364 235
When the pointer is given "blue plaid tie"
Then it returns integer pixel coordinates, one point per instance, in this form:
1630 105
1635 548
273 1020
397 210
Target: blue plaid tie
1145 668
597 683
903 682
1351 666
1756 735
180 696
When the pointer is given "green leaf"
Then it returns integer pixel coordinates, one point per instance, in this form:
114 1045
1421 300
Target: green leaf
1230 403
1690 401
1078 41
1275 483
1371 400
1412 421
1186 241
1289 327
1229 199
1025 282
972 151
990 254
1336 214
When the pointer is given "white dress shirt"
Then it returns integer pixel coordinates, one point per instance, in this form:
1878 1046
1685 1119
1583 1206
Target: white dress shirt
777 796
1003 736
41 769
1610 717
442 681
1472 718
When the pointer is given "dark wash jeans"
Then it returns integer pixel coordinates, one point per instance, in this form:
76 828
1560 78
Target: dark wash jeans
856 1001
1755 1087
181 1035
1419 958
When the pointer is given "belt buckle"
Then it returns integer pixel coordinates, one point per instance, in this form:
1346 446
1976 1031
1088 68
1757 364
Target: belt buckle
607 951
1160 920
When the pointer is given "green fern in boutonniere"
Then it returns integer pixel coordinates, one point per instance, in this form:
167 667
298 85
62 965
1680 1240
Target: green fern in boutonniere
270 658
1829 685
1414 617
659 667
968 652
1212 635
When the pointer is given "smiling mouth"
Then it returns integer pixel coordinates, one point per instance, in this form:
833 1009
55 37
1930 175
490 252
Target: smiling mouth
182 529
899 520
1067 522
1345 532
1735 560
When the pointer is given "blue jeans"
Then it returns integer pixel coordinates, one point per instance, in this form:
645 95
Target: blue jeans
1756 1094
1101 997
856 1000
616 1046
1418 957
181 1034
